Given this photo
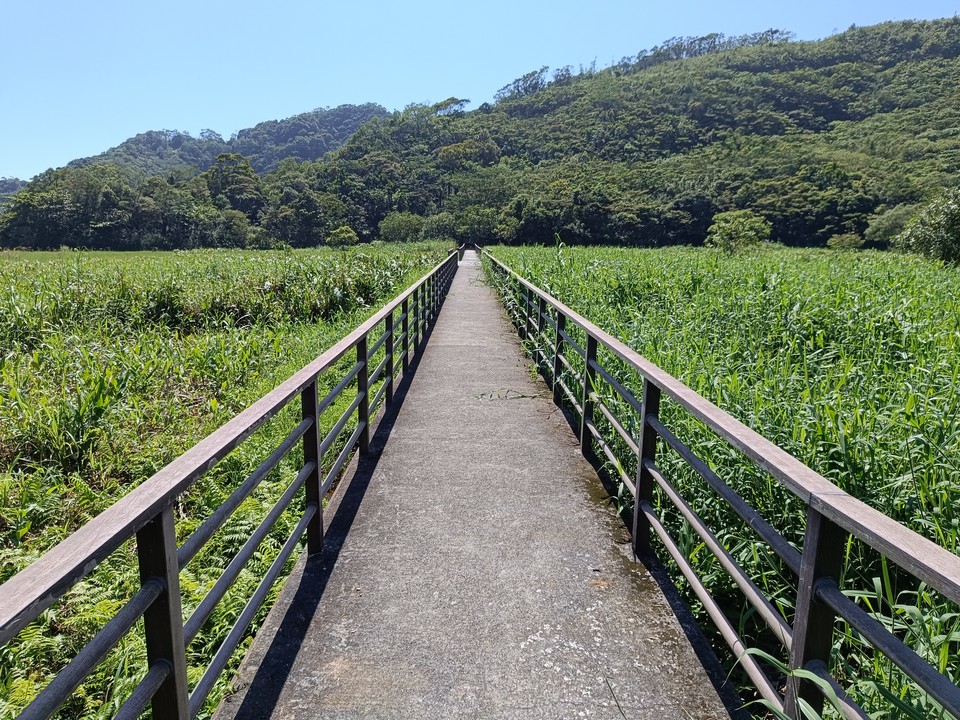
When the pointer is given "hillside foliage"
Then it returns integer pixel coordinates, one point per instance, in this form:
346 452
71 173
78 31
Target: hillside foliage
843 137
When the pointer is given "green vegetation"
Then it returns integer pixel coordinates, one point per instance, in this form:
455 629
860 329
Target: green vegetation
736 230
843 136
114 364
935 231
848 361
308 136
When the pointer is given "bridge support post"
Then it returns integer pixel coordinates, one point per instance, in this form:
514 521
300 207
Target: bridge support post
557 355
311 453
388 329
813 627
363 409
405 329
589 382
527 313
541 335
163 620
650 407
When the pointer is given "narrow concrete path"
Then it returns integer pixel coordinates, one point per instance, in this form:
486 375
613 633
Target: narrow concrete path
473 569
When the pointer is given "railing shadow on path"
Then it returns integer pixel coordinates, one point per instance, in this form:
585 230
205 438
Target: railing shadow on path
290 618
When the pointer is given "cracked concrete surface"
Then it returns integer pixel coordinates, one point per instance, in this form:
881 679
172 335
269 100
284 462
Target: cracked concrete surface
472 569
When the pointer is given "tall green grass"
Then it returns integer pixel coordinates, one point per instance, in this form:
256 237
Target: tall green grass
848 361
111 365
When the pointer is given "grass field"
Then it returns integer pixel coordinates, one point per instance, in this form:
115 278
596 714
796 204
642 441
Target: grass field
111 365
849 361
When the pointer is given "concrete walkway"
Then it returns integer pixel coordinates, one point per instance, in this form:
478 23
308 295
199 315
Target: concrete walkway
472 568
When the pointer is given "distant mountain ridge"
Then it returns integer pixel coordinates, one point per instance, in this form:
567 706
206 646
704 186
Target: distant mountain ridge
307 136
834 142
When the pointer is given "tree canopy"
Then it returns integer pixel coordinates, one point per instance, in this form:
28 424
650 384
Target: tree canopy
840 138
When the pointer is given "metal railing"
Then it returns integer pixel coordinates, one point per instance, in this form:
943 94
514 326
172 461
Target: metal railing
832 515
147 514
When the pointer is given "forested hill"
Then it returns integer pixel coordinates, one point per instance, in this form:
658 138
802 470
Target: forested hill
308 136
8 186
842 137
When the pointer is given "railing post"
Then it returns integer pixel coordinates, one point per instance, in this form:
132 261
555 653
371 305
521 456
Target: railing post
311 453
363 409
650 408
558 353
589 375
421 313
388 329
822 559
405 329
163 620
527 314
541 321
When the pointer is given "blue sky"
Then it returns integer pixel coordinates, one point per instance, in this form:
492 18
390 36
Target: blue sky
80 76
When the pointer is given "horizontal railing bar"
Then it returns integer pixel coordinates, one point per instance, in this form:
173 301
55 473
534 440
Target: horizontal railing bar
341 459
615 384
375 404
229 576
778 543
935 565
372 350
400 318
729 633
926 676
202 534
780 627
566 364
28 593
568 340
375 375
230 643
59 690
143 693
571 398
851 711
401 336
611 456
338 427
331 396
615 424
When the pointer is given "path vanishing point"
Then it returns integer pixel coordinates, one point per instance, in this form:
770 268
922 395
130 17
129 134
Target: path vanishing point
472 567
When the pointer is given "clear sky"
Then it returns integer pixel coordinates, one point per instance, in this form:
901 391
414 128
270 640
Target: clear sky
81 76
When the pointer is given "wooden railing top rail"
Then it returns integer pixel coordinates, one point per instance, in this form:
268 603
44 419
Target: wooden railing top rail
933 564
35 588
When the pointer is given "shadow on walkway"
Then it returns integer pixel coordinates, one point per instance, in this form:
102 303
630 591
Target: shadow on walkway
291 616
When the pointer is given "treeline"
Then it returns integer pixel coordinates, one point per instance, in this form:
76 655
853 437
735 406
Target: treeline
836 141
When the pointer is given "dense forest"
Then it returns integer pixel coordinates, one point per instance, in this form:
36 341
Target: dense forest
308 136
840 138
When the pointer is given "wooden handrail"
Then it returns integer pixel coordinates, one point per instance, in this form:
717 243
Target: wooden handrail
142 511
832 512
